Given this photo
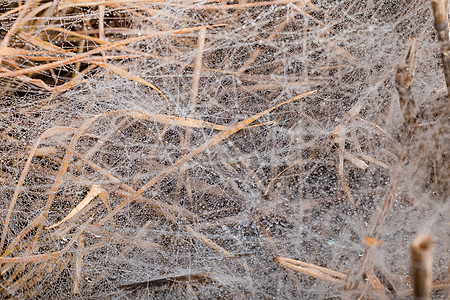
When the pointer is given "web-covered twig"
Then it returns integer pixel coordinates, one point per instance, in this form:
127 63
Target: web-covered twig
441 26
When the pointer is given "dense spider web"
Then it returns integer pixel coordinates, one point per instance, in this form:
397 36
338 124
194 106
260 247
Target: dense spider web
307 180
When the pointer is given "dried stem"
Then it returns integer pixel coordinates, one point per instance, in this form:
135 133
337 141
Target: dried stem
441 26
403 79
421 264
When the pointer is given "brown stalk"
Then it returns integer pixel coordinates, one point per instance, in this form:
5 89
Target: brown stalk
421 266
403 80
441 26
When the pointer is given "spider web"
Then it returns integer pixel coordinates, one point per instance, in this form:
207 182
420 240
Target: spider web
143 99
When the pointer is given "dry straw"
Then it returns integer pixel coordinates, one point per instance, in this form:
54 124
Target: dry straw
240 149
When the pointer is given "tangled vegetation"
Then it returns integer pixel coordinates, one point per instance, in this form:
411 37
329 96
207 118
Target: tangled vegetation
215 149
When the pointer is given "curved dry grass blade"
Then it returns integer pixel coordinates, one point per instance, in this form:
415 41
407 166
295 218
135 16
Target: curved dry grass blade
66 161
95 191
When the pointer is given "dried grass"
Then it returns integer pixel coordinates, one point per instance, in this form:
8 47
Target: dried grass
184 118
